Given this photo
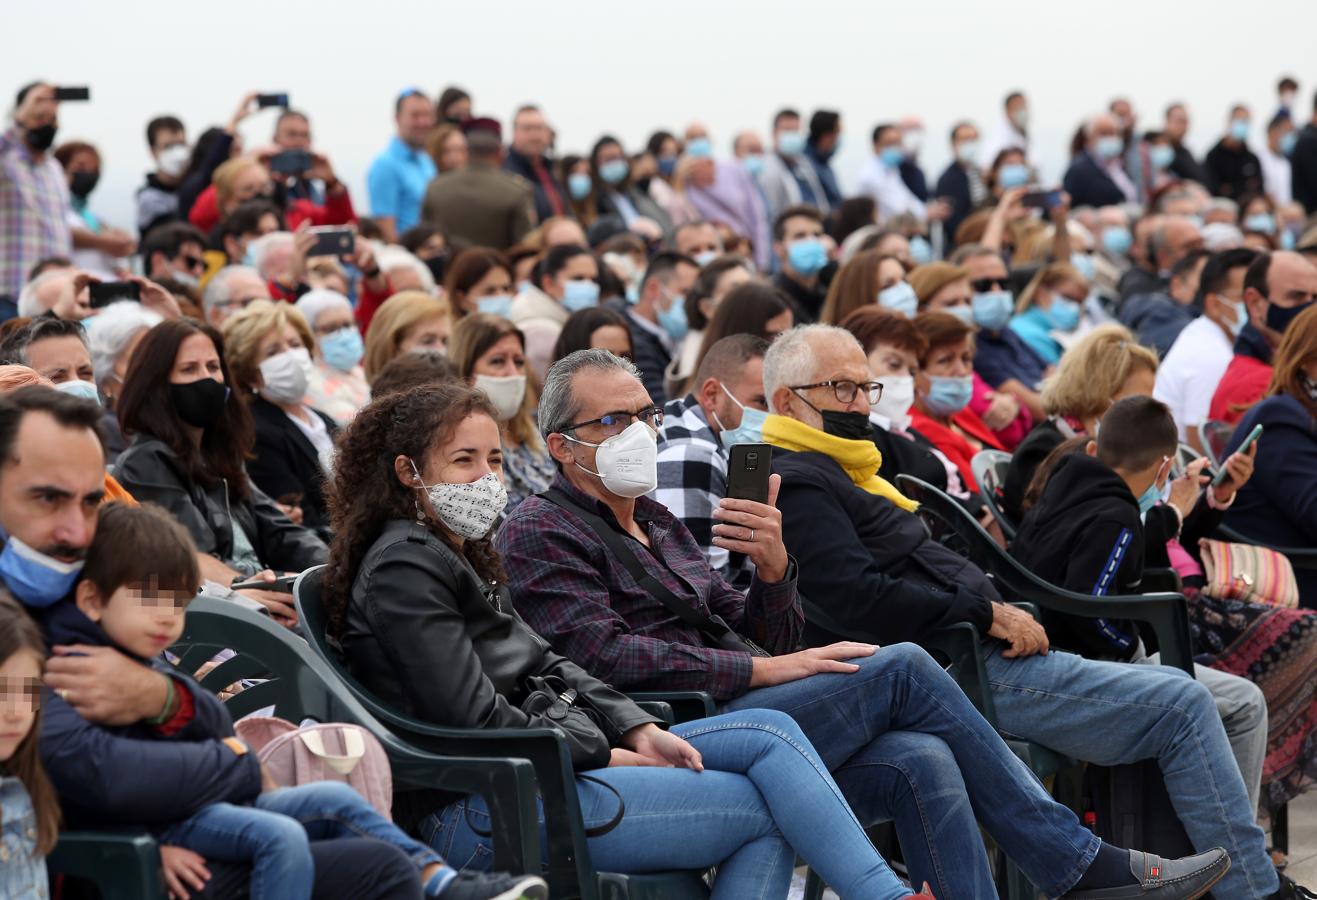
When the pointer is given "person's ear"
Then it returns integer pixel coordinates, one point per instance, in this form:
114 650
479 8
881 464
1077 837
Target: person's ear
781 401
1091 448
405 470
706 307
709 393
1256 304
88 600
560 449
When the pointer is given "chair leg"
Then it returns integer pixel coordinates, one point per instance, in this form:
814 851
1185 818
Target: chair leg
1280 829
1018 887
813 885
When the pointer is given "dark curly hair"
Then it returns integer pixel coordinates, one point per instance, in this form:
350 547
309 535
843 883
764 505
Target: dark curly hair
365 492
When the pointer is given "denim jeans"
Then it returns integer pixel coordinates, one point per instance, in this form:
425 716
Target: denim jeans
346 869
763 797
906 745
1113 713
274 834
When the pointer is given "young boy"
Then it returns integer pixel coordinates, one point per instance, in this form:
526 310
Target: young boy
140 575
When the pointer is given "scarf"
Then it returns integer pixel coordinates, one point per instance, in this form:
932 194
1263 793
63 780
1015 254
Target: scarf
861 460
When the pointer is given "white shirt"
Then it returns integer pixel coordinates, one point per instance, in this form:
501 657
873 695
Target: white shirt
885 186
1191 370
1276 176
318 435
1003 136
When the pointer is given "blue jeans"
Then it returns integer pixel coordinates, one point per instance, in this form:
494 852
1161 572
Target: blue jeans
1114 713
274 834
764 796
906 745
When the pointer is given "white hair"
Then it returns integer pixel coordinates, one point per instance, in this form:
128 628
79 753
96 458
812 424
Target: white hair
313 304
29 303
111 331
792 358
260 248
393 256
217 289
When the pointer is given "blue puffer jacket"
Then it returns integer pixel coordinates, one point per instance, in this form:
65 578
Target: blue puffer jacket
132 775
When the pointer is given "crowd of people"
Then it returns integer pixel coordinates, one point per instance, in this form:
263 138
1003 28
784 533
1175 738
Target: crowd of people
501 409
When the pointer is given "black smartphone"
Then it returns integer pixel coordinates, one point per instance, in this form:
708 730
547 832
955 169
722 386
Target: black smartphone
332 242
264 100
291 162
67 94
748 468
282 585
103 293
1041 199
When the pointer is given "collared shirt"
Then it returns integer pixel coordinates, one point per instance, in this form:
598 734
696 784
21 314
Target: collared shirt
397 181
34 211
1189 374
692 478
885 185
1115 170
1277 176
571 590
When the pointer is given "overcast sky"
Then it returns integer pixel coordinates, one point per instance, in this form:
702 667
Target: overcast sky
629 67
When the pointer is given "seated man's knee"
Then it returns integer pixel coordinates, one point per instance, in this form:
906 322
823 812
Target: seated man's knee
908 658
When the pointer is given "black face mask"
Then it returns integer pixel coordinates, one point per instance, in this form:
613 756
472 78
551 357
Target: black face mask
41 138
437 265
851 426
84 183
1280 317
199 403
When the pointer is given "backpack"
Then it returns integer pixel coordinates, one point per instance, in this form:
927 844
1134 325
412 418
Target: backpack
331 751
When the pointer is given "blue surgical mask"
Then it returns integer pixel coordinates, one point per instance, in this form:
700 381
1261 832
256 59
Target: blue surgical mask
1287 142
948 394
1239 129
699 148
614 171
891 157
921 251
901 298
343 349
1263 222
1084 264
1117 240
791 143
667 165
1241 317
1287 239
754 164
963 312
1109 147
807 256
495 305
704 257
83 390
673 319
992 309
578 185
1063 314
751 429
1013 175
1150 497
1160 157
578 295
33 577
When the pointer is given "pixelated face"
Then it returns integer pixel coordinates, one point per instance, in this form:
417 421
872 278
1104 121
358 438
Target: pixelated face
20 697
145 618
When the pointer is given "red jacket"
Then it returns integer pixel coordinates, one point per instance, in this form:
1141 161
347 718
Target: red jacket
336 211
1244 383
953 444
369 302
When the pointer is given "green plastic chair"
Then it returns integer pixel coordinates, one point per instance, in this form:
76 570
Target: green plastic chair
570 872
299 685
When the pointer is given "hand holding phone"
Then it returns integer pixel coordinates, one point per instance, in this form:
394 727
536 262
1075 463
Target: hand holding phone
1041 199
748 468
103 293
332 241
1243 449
264 100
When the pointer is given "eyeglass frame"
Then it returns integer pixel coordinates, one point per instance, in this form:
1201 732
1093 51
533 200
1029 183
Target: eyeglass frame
656 413
836 384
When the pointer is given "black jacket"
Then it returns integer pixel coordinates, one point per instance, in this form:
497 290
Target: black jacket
151 472
1156 318
1041 440
519 164
1088 185
1137 281
1084 535
286 466
869 564
644 204
953 186
1303 169
1186 167
647 352
1233 172
914 179
806 303
131 775
427 636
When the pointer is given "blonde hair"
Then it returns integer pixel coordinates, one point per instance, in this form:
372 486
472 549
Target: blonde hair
244 331
397 314
1048 277
14 377
1093 371
471 339
226 175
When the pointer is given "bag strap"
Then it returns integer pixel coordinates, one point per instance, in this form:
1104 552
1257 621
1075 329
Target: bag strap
711 626
353 745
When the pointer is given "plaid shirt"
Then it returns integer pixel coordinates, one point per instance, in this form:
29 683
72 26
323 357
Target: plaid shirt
692 478
34 211
568 587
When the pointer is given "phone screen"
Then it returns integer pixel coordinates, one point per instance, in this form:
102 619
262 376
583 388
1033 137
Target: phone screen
66 94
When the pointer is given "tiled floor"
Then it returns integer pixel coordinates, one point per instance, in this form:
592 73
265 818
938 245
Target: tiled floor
1303 840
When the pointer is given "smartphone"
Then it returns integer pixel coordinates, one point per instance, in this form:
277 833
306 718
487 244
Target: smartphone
66 94
333 241
1041 199
748 468
291 162
103 293
282 585
264 100
1242 448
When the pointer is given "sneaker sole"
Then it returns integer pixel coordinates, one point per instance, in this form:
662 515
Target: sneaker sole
528 889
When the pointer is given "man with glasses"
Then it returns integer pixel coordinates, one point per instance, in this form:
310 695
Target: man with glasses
175 251
619 586
230 291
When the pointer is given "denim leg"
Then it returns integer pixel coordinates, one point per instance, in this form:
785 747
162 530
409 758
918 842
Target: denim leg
332 809
1115 713
276 846
901 688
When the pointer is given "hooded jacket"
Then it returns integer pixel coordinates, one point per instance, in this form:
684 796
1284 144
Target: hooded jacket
1084 535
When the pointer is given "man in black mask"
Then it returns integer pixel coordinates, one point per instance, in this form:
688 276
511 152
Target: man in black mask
34 198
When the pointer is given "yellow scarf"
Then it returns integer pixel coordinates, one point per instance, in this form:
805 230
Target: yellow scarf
860 459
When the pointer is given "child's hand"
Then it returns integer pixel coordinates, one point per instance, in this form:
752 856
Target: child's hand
1186 488
183 869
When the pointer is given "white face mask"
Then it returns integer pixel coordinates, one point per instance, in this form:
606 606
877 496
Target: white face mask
468 510
506 393
286 376
627 462
173 160
898 396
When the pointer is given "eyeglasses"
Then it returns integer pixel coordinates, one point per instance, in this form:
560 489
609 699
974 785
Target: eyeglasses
194 262
614 423
983 285
845 390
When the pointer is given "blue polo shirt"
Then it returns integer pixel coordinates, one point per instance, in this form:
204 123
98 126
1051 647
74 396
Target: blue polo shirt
397 181
1003 356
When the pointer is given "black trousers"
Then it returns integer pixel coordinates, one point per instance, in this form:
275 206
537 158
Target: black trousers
346 869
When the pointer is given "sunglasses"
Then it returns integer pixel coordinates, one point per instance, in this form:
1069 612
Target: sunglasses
983 285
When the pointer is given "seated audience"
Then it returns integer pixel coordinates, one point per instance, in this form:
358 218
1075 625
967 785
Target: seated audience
801 256
230 290
870 277
1051 304
268 351
422 611
479 280
57 350
337 386
718 275
657 317
1159 317
425 367
490 353
594 328
117 330
566 280
408 322
752 308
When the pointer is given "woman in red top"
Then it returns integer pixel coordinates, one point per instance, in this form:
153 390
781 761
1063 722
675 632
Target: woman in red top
943 389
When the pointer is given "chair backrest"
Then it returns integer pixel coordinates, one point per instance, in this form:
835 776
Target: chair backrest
1215 437
989 467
